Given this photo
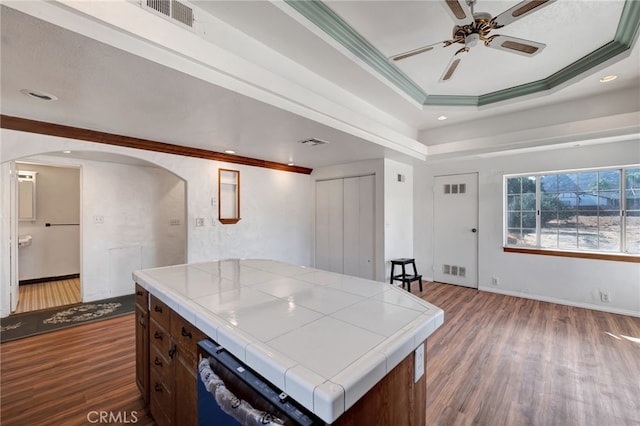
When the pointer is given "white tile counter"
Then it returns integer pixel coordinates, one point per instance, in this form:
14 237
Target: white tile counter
323 338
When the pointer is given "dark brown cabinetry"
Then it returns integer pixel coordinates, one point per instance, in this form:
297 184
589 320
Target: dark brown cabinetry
171 366
142 342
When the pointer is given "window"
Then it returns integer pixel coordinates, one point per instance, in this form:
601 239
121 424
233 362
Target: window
586 210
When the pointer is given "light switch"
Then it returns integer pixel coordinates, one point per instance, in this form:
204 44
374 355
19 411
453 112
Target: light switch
418 369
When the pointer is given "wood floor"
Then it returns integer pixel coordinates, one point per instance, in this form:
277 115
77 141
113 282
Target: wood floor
33 297
497 360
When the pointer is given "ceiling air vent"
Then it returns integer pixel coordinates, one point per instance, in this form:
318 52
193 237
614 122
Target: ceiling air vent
173 9
313 142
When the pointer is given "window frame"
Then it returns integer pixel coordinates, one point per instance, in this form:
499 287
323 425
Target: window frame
620 255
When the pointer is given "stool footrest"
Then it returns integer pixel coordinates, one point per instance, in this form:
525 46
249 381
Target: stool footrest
407 278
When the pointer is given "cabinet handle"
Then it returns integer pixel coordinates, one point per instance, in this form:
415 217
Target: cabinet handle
158 387
157 362
158 308
172 351
185 333
141 320
139 293
157 335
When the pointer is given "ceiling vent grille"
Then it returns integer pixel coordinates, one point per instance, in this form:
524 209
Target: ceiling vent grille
313 142
173 9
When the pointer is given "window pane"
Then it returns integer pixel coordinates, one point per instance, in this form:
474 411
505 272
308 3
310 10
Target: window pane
529 184
588 181
609 227
568 233
514 202
609 179
549 183
528 201
567 182
633 232
633 178
529 220
588 199
609 200
515 219
587 230
633 199
514 185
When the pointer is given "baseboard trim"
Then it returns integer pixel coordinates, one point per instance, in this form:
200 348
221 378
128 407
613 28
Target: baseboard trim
561 301
47 279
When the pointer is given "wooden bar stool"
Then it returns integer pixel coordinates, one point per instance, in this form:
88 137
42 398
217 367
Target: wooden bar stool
403 277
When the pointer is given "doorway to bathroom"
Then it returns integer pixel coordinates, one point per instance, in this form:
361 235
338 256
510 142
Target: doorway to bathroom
48 258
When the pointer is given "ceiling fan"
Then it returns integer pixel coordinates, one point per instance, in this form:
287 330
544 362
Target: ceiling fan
471 27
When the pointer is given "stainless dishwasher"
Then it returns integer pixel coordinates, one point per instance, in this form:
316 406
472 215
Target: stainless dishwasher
231 394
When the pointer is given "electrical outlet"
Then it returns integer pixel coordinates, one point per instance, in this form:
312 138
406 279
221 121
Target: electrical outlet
174 222
604 296
495 281
200 221
418 369
98 220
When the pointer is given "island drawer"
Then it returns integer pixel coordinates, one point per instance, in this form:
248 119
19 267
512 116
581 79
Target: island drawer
186 335
161 364
142 297
159 338
160 312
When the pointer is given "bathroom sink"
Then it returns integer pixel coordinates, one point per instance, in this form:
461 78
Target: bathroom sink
24 240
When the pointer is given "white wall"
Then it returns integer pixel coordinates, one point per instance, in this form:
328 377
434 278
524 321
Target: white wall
398 212
54 250
274 207
564 280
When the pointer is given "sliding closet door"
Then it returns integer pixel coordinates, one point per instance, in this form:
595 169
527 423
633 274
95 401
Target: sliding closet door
345 234
329 225
359 227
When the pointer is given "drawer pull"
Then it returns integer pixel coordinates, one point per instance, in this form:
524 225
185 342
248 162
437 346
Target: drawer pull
157 335
157 362
185 333
141 320
158 387
173 351
158 308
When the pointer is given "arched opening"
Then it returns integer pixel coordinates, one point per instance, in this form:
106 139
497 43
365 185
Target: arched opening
131 214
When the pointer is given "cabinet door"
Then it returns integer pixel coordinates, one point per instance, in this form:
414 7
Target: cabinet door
186 396
359 226
142 352
329 225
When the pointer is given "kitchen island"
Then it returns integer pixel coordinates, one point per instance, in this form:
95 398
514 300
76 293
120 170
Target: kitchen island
342 347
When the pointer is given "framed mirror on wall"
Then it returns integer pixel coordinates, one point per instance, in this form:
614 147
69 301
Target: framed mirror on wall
27 195
228 196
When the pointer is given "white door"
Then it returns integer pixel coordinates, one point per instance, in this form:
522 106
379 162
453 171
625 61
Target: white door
455 229
329 225
359 232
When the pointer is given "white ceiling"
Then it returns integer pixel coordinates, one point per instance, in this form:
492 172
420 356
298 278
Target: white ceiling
267 77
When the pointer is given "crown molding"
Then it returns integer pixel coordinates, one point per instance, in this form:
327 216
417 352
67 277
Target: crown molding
325 19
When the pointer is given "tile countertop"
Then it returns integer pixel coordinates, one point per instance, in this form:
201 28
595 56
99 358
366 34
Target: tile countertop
323 338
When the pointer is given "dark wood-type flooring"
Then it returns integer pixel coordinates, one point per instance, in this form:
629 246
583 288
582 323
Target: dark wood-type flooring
497 360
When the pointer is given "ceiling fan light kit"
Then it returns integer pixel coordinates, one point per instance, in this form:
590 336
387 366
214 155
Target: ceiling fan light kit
471 27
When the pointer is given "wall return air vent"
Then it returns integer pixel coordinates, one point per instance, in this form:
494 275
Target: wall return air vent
173 9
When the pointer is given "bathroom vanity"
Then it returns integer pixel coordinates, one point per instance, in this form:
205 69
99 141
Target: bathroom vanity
348 350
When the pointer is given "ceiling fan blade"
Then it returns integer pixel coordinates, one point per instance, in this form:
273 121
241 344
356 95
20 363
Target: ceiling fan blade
520 10
515 45
420 50
459 11
453 65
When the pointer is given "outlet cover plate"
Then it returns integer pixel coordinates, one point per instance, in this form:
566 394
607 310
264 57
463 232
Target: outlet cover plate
418 368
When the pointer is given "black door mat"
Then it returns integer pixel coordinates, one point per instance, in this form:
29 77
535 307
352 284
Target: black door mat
32 323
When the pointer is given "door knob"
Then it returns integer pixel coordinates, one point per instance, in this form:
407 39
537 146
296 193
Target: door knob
474 230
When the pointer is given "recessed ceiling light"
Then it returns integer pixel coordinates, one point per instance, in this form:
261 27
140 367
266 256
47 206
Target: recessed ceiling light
37 94
229 151
290 163
608 78
66 152
442 117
